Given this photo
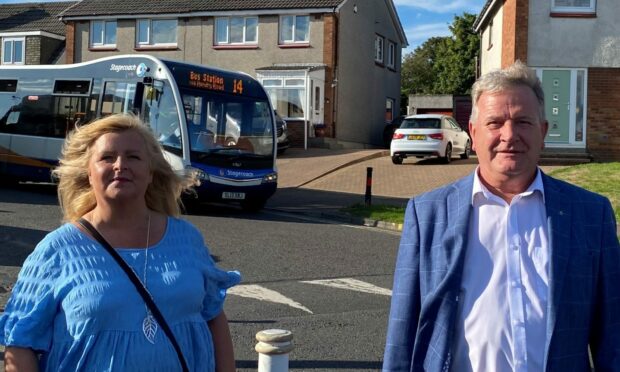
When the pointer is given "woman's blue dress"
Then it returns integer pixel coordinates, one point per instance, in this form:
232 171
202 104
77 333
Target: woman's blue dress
75 305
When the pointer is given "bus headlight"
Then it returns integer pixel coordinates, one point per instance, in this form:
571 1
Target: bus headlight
271 177
199 173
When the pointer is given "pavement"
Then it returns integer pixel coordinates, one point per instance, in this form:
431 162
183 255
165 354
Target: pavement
320 182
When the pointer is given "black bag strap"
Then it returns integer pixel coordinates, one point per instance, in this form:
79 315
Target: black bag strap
140 287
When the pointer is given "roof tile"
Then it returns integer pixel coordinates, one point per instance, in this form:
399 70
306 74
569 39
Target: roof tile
33 17
124 7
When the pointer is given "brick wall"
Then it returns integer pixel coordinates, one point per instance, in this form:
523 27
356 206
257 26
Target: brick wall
329 58
295 133
514 31
603 125
70 41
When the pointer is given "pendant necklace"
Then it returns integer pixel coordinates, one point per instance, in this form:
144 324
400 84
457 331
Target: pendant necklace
149 325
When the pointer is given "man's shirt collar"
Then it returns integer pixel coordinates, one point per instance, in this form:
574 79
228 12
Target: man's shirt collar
480 189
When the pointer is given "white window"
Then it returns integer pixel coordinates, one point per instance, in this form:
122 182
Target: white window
573 6
294 29
236 30
391 56
378 49
161 32
102 33
13 50
287 95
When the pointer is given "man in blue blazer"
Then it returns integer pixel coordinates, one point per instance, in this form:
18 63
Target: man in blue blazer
506 269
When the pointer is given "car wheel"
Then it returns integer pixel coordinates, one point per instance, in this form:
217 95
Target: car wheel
465 155
448 157
397 159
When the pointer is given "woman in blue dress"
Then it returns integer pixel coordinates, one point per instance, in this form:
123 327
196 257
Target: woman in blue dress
74 309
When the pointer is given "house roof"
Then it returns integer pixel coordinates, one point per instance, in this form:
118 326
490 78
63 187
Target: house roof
121 7
485 12
33 17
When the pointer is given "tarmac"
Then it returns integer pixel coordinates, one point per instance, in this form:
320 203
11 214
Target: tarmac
321 182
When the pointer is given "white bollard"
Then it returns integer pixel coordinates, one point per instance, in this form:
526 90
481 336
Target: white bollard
273 347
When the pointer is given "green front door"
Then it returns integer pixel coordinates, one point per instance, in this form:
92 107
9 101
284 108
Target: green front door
556 85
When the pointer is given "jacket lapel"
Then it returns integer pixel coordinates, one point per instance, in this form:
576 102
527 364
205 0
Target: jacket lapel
558 206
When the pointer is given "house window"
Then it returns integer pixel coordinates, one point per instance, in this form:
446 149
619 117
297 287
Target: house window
287 95
573 6
236 30
389 110
391 55
103 33
378 49
294 29
159 32
13 50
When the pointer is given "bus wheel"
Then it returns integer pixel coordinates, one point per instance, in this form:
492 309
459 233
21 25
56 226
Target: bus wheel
253 205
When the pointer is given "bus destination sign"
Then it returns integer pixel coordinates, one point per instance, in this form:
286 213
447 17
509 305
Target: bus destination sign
213 82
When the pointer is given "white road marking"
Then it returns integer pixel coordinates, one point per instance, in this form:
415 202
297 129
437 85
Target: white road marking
263 294
351 284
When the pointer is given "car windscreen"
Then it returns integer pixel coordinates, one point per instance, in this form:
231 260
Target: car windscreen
417 123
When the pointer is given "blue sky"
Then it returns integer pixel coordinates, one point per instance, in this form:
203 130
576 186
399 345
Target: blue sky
421 19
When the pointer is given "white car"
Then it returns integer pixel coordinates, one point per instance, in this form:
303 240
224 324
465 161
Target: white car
429 135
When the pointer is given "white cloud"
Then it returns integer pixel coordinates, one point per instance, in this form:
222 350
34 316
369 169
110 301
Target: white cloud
446 6
419 34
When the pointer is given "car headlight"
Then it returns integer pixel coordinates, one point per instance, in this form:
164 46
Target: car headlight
271 177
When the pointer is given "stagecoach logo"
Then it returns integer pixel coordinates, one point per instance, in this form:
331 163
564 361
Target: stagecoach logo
118 68
141 70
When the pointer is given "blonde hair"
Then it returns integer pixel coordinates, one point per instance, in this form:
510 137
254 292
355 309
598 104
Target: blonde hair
74 191
517 74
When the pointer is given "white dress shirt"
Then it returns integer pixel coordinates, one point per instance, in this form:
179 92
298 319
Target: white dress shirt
502 320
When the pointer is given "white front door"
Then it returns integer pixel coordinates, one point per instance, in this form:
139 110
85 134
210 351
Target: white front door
316 101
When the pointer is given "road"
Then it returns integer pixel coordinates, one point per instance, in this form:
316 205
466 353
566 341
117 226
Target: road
327 283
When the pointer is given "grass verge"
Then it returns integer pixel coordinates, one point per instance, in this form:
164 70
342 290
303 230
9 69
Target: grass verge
379 212
602 178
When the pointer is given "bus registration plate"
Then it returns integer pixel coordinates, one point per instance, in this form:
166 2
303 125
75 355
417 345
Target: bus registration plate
233 195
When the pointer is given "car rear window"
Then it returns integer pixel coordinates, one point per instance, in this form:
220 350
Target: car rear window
421 124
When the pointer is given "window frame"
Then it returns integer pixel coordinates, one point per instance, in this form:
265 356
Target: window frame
104 23
149 43
391 54
274 85
293 40
379 49
573 9
12 40
245 27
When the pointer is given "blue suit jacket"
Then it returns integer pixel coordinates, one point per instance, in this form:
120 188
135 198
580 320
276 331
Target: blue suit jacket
584 289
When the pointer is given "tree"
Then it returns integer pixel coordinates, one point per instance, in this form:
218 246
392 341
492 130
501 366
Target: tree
417 75
443 65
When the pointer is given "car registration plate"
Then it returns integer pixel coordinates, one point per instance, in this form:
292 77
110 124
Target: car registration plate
416 137
233 195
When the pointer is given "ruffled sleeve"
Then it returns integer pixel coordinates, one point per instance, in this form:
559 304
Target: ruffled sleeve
30 311
216 280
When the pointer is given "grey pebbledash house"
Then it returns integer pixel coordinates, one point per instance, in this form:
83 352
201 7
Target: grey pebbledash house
331 67
32 33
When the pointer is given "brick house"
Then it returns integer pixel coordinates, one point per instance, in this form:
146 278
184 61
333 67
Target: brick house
31 33
574 46
331 67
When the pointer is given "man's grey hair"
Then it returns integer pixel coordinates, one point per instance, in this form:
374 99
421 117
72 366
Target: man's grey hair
518 74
